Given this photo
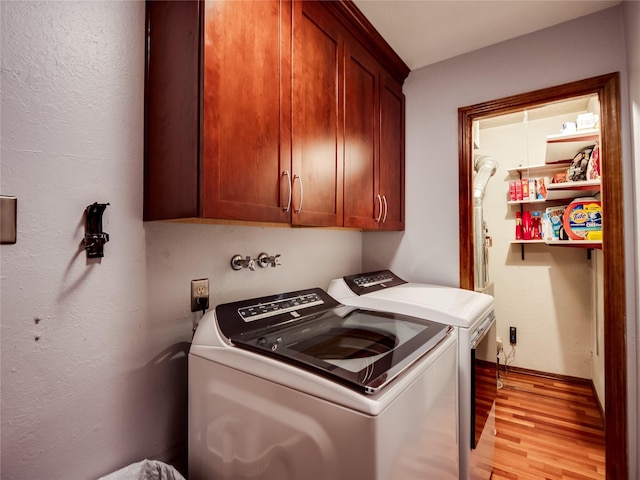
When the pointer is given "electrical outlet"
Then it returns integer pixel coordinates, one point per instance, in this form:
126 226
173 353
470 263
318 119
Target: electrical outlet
512 335
199 290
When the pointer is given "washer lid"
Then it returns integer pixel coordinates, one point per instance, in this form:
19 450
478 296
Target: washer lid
359 348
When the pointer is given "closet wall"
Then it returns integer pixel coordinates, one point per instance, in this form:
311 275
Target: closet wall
554 295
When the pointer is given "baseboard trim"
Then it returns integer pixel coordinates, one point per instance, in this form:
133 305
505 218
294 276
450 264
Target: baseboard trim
551 376
595 395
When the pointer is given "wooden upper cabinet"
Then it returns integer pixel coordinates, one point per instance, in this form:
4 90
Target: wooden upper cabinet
246 110
392 114
374 145
363 205
171 138
218 110
318 125
279 111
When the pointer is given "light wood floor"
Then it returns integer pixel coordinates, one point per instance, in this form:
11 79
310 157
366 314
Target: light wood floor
547 429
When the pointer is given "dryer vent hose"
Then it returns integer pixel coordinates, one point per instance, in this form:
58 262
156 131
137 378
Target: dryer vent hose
485 168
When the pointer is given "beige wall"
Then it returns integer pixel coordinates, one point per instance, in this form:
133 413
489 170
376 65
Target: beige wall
548 295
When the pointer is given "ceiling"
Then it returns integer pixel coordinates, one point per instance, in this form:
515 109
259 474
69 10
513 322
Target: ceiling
573 105
423 32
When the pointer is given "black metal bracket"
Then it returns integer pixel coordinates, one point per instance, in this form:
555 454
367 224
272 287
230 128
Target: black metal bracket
94 237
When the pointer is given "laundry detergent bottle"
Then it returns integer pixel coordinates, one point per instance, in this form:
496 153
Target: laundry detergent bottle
527 227
536 226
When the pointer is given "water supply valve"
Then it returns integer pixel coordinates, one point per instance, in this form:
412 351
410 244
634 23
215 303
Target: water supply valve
265 260
238 262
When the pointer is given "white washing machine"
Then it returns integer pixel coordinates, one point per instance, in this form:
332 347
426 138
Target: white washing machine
296 386
472 315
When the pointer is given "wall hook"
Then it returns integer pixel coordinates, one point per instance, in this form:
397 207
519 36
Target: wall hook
94 237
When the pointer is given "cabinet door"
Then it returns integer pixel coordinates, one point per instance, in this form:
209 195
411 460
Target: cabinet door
317 124
392 116
171 144
246 110
363 207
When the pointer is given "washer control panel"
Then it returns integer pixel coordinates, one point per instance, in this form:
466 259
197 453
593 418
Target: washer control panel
238 319
278 307
372 281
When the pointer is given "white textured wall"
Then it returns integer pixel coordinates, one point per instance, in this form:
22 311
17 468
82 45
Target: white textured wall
105 385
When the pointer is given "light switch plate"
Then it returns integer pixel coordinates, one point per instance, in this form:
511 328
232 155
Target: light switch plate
8 222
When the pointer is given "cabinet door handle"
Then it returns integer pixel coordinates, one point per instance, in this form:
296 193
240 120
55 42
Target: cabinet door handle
386 208
379 208
286 174
297 177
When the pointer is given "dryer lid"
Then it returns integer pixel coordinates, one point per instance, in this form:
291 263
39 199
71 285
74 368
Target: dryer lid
447 305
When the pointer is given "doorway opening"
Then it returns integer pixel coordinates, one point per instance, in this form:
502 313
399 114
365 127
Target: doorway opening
606 88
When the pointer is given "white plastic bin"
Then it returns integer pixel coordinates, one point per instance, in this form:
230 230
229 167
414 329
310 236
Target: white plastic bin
145 470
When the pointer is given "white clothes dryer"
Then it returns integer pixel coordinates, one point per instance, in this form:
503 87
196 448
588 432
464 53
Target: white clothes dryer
297 386
472 315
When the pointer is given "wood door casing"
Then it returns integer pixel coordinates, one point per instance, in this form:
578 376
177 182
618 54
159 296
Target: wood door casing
246 109
607 89
317 139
